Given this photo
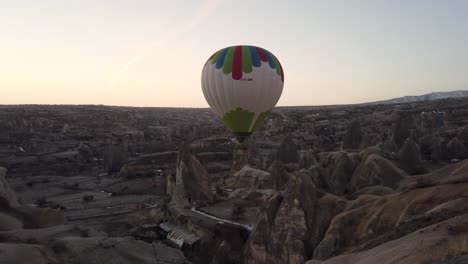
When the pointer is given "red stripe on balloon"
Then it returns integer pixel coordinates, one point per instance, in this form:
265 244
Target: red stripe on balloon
212 55
237 63
281 68
262 55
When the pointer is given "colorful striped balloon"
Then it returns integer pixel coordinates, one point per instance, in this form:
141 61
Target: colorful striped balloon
241 59
242 84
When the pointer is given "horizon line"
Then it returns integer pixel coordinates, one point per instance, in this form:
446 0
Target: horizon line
207 107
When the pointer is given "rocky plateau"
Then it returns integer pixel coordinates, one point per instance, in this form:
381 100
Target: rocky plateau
352 184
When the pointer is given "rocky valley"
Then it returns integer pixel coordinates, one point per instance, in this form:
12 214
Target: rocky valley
360 184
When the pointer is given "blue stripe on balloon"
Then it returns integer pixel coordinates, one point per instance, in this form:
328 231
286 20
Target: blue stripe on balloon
220 62
255 57
271 61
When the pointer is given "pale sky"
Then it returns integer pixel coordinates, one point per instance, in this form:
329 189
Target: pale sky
151 52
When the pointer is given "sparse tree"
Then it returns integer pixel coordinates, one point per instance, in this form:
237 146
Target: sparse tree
237 212
88 198
41 202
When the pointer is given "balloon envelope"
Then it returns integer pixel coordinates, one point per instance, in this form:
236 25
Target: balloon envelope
242 84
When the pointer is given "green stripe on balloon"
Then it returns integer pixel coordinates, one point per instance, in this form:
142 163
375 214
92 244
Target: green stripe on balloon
275 61
224 58
216 57
278 67
246 60
227 67
238 120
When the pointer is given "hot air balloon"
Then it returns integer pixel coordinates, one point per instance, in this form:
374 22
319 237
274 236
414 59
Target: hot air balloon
242 84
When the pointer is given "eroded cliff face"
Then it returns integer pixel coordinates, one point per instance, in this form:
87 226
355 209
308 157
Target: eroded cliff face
360 204
344 184
14 215
304 223
445 243
291 224
192 184
7 195
42 235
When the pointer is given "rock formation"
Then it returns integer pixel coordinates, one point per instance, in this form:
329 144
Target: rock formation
7 195
250 178
439 150
456 149
314 188
307 159
452 174
115 157
353 137
287 152
192 181
427 245
279 175
376 170
409 157
370 221
290 224
341 166
463 135
402 129
16 216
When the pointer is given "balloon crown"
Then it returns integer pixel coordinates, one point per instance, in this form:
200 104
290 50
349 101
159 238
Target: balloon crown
237 60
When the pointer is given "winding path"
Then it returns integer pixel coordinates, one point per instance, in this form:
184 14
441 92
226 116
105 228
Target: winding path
248 227
111 214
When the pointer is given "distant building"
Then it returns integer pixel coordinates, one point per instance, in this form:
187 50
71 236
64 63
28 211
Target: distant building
182 238
166 227
434 121
179 236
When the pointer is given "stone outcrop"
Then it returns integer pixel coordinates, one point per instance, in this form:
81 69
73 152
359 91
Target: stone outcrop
439 151
16 216
360 225
192 181
85 152
7 195
307 159
370 150
409 157
390 148
251 178
438 243
402 129
373 190
341 166
456 149
279 175
353 137
376 170
287 151
290 224
452 174
225 255
115 156
463 135
375 222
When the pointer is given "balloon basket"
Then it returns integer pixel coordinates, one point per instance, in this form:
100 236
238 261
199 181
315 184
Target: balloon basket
243 151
